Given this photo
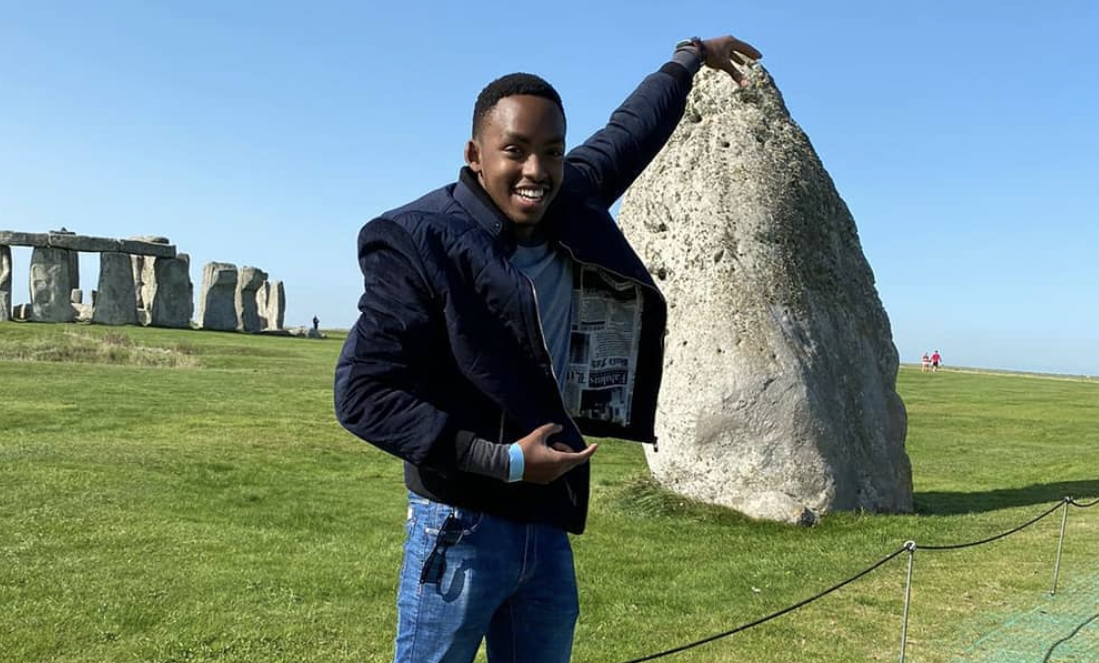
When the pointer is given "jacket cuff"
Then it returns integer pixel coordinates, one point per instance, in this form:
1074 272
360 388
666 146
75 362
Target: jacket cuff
689 58
517 463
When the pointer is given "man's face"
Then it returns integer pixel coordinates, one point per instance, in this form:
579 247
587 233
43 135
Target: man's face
518 156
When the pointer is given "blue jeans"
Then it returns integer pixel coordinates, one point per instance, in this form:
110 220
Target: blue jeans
469 576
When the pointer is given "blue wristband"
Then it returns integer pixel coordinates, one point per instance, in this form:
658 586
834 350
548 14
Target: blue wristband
516 463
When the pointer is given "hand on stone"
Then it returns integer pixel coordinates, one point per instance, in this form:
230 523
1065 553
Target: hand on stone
544 462
726 52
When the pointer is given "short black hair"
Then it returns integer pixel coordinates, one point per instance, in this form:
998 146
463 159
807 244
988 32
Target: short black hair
509 86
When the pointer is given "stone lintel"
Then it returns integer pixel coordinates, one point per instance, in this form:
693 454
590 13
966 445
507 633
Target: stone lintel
83 243
154 249
13 238
87 243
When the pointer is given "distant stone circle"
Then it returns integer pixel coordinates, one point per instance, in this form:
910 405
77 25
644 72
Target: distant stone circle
142 280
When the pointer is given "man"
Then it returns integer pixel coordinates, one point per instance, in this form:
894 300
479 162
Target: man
504 317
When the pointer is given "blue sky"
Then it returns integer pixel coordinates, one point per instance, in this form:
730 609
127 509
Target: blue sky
963 136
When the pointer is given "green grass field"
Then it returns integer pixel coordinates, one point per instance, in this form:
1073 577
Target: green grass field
188 496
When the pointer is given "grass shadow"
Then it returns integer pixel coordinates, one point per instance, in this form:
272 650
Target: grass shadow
954 503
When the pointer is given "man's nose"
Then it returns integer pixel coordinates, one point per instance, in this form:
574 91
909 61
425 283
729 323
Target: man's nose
534 168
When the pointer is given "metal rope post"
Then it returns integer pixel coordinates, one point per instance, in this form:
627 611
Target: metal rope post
910 546
1060 544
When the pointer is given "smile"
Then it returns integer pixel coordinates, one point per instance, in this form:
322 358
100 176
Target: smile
533 194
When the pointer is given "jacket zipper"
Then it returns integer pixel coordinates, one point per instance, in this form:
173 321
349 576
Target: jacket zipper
545 346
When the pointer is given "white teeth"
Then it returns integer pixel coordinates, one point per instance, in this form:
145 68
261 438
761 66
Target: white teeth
531 194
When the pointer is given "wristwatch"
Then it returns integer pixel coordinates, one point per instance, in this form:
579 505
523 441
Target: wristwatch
693 42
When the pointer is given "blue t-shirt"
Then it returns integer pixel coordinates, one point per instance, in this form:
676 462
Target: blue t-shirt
551 272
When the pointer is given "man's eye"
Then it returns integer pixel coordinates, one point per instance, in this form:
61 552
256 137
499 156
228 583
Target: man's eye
513 150
557 153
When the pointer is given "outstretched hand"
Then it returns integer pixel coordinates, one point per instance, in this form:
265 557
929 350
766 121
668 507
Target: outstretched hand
544 462
726 52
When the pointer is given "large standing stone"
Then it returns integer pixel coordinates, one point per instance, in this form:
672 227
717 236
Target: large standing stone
115 302
143 285
250 281
271 301
51 285
74 269
5 283
779 393
216 308
145 275
276 305
262 293
171 294
62 239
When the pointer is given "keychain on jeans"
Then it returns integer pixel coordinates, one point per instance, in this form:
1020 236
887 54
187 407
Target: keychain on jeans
449 535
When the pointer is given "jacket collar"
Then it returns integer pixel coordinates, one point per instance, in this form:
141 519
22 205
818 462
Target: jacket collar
472 196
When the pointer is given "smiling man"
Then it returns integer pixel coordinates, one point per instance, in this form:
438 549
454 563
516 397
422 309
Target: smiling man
504 318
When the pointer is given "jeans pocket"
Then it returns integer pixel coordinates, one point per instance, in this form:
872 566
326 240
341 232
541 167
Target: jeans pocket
460 523
469 520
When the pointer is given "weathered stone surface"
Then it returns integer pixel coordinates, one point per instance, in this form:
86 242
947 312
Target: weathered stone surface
74 269
62 236
50 285
155 239
76 296
251 279
13 238
261 304
779 390
216 308
305 332
22 312
271 302
83 243
171 293
5 283
137 247
150 245
115 302
83 312
144 282
276 305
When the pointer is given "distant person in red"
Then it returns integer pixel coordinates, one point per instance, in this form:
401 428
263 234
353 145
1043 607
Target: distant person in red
936 359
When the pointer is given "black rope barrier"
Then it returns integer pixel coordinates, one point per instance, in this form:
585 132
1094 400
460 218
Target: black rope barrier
773 615
1082 506
959 546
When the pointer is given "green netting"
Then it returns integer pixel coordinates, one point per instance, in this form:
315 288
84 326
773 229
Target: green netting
1057 629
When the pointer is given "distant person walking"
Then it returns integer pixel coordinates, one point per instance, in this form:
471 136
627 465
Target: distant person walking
925 363
936 359
316 323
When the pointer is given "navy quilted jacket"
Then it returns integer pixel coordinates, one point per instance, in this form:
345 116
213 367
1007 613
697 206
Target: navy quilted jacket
449 344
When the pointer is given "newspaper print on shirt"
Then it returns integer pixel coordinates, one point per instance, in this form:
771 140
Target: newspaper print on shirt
606 321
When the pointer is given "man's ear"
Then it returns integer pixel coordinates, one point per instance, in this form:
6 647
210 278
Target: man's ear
473 155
